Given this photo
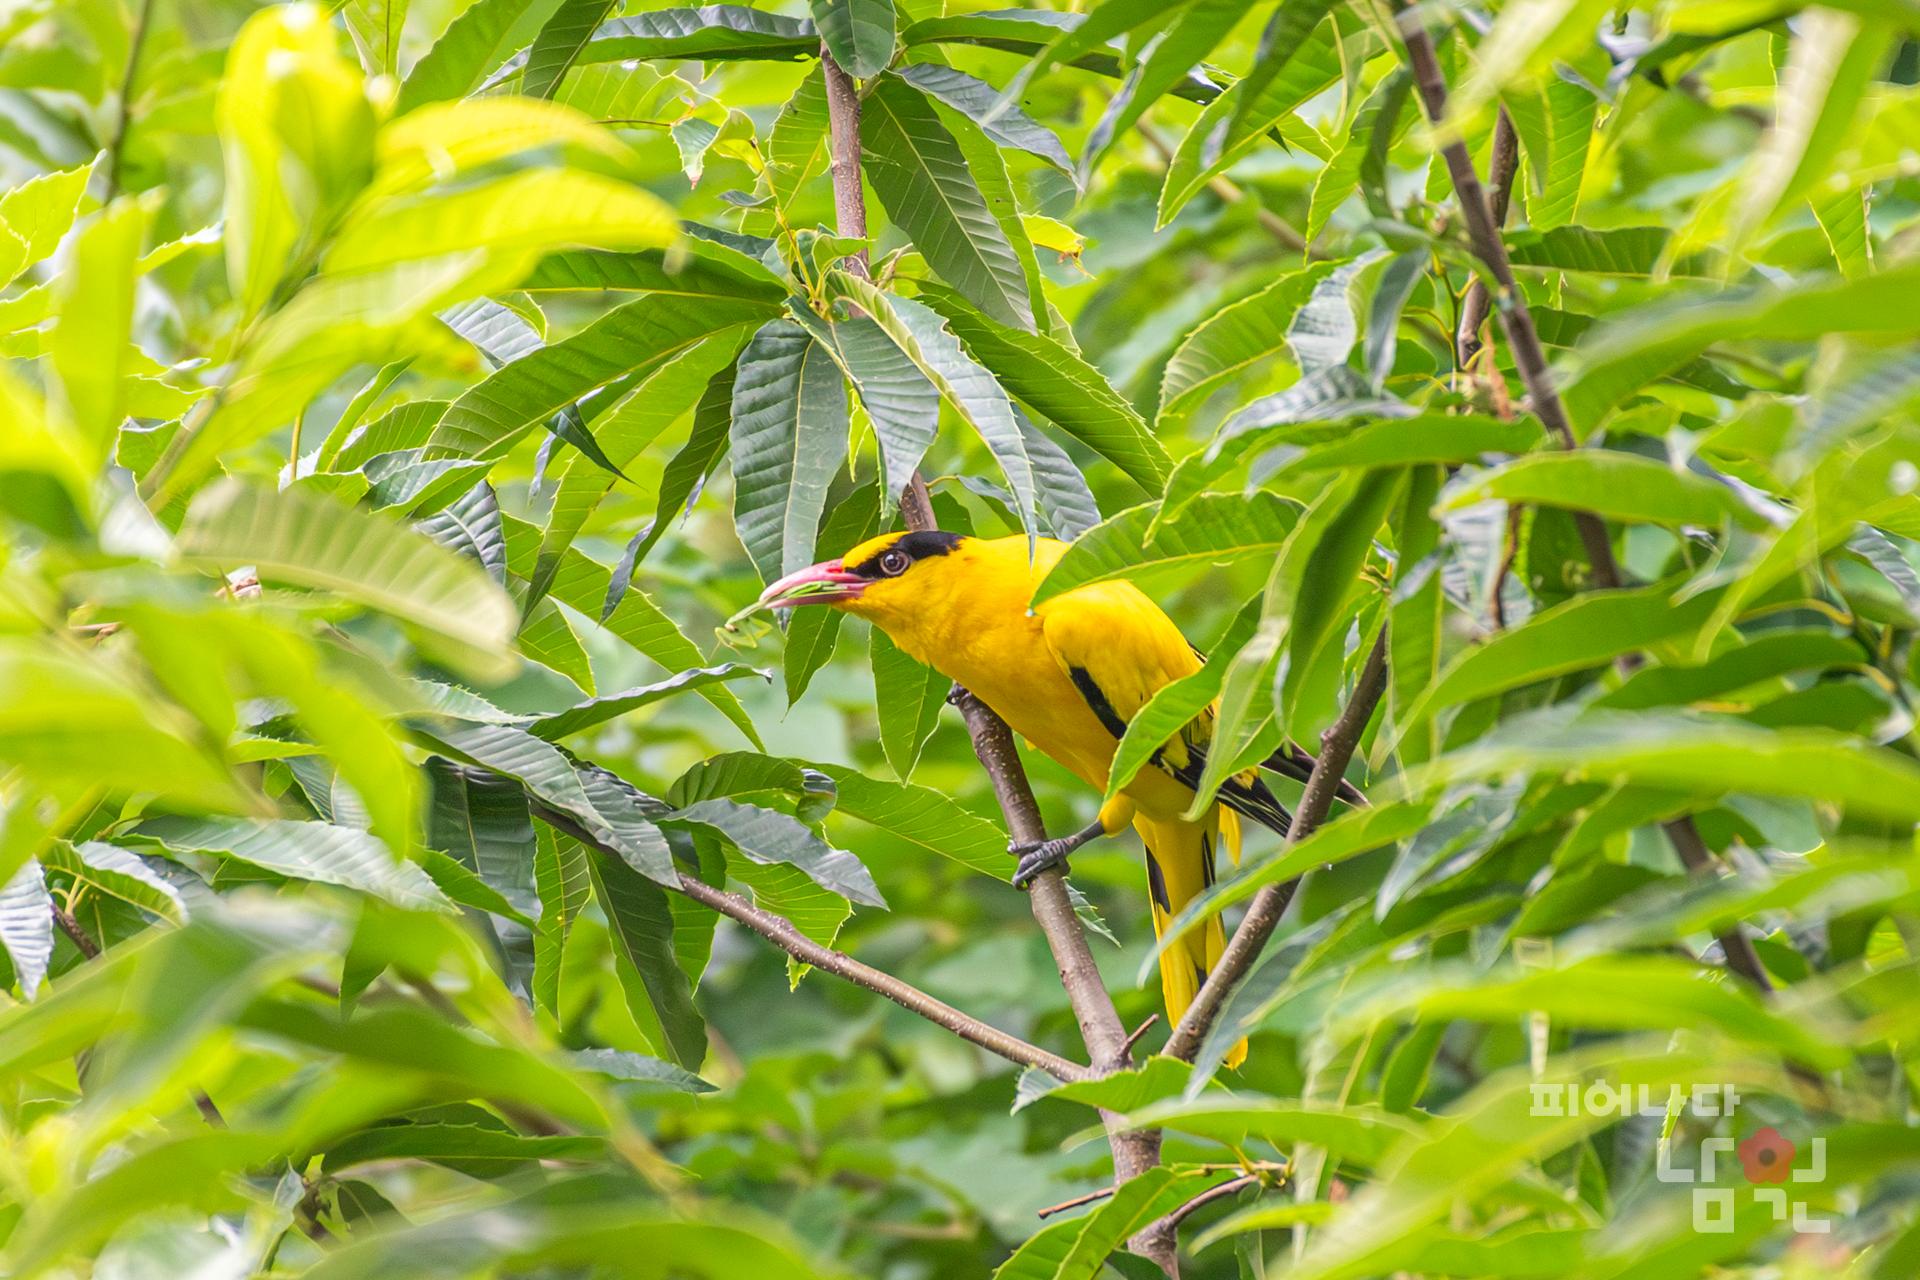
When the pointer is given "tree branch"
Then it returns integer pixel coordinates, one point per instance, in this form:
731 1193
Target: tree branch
1501 168
1134 1152
1336 749
123 117
1529 358
781 932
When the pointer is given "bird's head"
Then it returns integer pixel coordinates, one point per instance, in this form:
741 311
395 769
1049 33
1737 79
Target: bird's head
884 578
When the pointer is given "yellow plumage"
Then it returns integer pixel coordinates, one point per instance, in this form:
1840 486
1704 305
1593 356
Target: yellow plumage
1066 677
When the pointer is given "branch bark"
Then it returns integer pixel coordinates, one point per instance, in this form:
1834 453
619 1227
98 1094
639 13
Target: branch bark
779 931
1502 165
1105 1035
1529 358
1336 750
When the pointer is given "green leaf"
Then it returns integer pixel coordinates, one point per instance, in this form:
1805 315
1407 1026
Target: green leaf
1174 705
303 538
37 215
789 436
624 432
1077 1248
563 883
902 405
1196 27
1766 656
630 340
907 698
559 43
1584 632
26 925
474 43
858 33
774 838
1615 251
1058 384
920 332
90 346
1701 755
1237 121
1213 529
658 993
305 851
548 638
796 146
1834 61
917 169
683 476
1234 339
812 633
1617 358
711 33
1613 485
375 26
1556 150
597 711
471 526
1423 438
923 817
1356 1132
981 103
115 873
1379 116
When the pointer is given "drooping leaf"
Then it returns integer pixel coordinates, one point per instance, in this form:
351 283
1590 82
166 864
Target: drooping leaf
907 698
598 711
980 102
858 33
1214 528
769 836
658 993
308 540
26 925
788 436
305 851
1060 386
918 172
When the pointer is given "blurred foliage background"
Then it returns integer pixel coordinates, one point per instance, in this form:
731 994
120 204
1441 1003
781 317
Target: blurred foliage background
401 395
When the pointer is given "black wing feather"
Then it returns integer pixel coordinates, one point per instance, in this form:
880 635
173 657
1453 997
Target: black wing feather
1250 799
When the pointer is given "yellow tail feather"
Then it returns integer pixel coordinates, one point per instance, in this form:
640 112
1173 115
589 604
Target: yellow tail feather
1179 868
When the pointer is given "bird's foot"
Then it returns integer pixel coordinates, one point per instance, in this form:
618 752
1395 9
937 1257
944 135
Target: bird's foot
1039 856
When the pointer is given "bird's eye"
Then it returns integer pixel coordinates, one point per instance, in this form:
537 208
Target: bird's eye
894 563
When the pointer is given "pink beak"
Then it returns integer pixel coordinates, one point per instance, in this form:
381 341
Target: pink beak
847 586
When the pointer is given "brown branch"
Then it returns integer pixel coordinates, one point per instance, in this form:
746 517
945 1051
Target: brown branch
1231 1187
781 932
1336 749
1529 357
1100 1026
82 940
1502 166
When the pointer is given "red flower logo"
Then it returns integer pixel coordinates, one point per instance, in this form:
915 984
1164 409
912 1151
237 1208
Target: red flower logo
1766 1156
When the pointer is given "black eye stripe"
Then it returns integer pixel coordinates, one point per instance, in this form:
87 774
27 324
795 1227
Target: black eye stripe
924 544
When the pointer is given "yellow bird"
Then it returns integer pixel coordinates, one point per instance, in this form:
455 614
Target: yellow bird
1067 677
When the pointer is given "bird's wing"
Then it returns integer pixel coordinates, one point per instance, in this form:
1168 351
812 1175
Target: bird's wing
1120 649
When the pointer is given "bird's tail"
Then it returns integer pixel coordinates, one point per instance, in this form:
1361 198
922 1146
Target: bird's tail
1179 869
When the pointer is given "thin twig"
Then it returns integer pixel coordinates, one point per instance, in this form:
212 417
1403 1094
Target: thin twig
1274 225
1501 168
1134 1152
1141 1030
124 116
1231 1187
1336 749
781 932
82 940
1529 358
